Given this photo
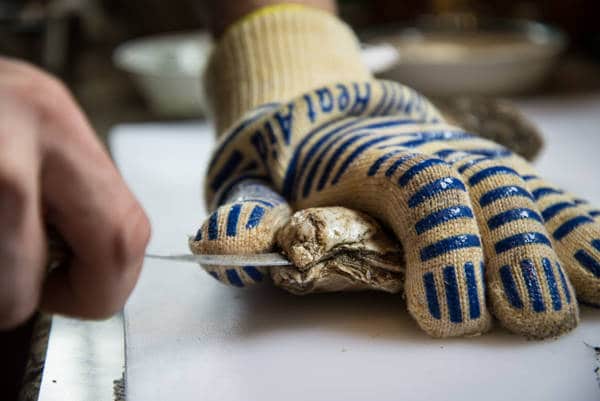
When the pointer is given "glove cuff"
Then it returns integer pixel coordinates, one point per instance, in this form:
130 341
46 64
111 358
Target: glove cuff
276 54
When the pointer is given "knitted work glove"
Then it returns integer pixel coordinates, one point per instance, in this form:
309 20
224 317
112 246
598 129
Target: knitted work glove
481 230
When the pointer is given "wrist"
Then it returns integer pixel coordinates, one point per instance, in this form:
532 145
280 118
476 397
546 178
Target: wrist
276 54
225 13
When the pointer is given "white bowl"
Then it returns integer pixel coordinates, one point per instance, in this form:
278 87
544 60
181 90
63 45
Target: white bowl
167 70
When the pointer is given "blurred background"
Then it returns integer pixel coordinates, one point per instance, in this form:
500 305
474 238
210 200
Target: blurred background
482 40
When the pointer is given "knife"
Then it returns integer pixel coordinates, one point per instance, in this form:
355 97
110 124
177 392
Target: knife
258 259
60 253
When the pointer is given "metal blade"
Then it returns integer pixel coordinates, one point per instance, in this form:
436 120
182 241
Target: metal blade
84 359
259 259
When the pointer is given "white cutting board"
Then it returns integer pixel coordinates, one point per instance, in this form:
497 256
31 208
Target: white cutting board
191 338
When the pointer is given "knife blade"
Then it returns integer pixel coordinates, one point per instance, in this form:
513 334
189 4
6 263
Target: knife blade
60 254
259 259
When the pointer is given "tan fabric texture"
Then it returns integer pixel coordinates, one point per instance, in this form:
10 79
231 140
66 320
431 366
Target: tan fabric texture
276 57
481 231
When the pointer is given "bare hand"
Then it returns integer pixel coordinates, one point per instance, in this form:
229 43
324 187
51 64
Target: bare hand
54 171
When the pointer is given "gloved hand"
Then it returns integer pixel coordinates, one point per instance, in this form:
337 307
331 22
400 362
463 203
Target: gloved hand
481 230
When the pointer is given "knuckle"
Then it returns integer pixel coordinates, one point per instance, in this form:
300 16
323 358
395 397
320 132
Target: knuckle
14 193
52 87
130 238
43 83
50 94
36 87
15 209
16 308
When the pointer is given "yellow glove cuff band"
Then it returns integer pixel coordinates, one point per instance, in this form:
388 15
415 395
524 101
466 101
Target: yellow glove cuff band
277 53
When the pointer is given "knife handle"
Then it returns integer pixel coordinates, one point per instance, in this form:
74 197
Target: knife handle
59 253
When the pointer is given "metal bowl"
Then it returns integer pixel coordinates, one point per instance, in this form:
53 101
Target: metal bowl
463 54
